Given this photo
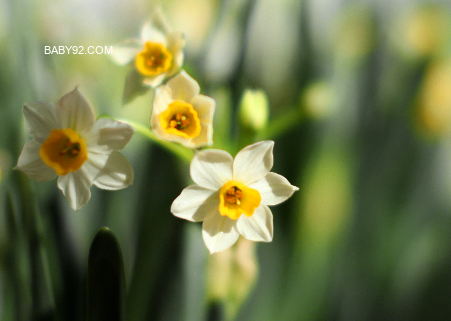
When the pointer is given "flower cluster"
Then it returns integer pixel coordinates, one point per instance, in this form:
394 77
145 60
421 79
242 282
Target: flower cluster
180 114
231 196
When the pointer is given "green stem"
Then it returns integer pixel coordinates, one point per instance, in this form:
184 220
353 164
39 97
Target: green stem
182 152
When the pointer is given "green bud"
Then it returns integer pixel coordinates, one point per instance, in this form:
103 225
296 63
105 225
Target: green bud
254 109
231 276
318 100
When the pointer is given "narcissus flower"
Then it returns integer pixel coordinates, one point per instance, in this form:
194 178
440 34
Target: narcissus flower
69 142
231 196
157 55
180 114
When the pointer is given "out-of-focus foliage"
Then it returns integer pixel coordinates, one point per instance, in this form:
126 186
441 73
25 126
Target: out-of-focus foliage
359 106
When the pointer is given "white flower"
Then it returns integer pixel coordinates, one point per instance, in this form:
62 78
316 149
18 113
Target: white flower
232 195
180 114
69 142
157 55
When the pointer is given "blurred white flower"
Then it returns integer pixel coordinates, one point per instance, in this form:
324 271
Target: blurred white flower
69 142
157 55
180 114
231 196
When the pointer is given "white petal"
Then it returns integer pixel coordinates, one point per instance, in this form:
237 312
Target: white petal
205 137
126 51
163 97
94 164
40 118
211 168
189 143
274 189
205 107
153 34
116 174
74 111
158 20
176 42
195 203
154 81
219 233
259 226
75 187
184 87
108 135
32 165
253 162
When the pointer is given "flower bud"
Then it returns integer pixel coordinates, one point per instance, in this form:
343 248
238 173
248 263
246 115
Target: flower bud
231 276
318 100
254 109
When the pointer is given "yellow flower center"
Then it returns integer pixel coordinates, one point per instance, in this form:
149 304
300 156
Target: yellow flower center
64 150
181 119
236 199
153 60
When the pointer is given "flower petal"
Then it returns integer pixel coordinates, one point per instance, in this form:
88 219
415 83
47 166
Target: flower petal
205 107
40 118
75 187
108 135
211 168
153 34
32 165
74 111
274 189
171 137
219 232
195 203
126 51
259 226
158 21
154 81
176 42
184 87
163 97
205 137
95 163
116 174
253 162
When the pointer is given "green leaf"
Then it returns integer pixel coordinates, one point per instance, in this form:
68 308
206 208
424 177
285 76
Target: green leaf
106 278
34 234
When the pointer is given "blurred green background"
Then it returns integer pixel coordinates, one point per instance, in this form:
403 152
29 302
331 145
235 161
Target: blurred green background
360 112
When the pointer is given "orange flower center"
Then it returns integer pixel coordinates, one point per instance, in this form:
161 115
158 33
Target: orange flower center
181 119
236 198
64 150
155 59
